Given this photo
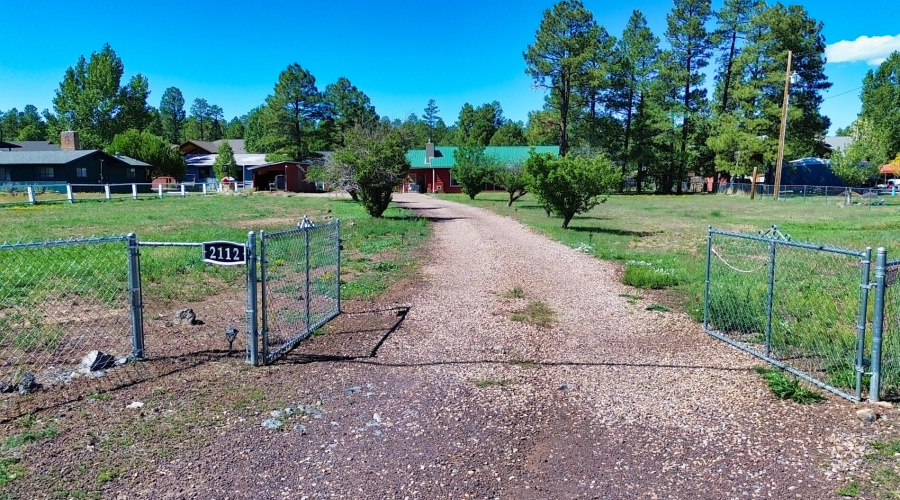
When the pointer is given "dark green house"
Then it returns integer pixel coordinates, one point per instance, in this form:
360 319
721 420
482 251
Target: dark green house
90 166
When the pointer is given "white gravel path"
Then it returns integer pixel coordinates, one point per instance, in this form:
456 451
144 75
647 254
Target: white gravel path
648 400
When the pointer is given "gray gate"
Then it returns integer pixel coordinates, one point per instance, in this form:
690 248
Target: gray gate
300 273
802 307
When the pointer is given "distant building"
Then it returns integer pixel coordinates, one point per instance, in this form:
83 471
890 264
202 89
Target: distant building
807 172
432 168
200 156
38 163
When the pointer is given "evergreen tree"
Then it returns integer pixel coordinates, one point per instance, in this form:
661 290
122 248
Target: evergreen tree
881 102
294 108
691 48
224 164
564 46
200 114
431 117
349 107
171 113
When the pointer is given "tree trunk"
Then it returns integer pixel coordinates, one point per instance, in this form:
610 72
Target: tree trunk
682 163
566 220
625 153
564 117
728 72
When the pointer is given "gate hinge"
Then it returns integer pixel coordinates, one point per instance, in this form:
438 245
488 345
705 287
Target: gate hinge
870 286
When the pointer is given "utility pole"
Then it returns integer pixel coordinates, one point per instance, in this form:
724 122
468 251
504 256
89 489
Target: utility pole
784 109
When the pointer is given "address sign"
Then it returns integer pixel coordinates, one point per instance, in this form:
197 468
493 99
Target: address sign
224 253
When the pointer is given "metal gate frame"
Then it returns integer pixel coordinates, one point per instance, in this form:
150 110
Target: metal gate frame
775 238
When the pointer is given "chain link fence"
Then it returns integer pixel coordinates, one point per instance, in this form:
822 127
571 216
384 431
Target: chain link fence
65 316
300 272
88 315
797 305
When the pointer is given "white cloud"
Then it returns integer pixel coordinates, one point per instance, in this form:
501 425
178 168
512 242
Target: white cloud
871 49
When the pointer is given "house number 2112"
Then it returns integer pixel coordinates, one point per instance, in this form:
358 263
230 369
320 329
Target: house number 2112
224 253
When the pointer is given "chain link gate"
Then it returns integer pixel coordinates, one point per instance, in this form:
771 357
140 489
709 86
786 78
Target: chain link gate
802 307
300 272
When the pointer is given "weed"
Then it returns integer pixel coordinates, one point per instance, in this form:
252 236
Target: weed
850 489
489 382
788 388
885 449
26 421
10 470
17 440
536 313
515 293
523 363
98 396
632 299
107 475
657 307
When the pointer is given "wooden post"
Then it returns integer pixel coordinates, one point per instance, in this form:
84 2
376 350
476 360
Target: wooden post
779 161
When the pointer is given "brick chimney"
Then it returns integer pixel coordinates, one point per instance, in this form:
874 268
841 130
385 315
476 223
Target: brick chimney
68 141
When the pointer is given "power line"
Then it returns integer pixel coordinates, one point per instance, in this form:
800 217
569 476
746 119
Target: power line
842 93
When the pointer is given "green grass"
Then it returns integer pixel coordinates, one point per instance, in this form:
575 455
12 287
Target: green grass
657 307
29 436
788 387
490 382
631 298
379 252
850 489
515 293
536 313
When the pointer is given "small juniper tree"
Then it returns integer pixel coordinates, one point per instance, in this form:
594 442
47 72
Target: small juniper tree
377 160
513 180
570 185
473 169
225 165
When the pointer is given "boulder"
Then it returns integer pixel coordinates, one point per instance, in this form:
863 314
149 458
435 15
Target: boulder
96 361
186 317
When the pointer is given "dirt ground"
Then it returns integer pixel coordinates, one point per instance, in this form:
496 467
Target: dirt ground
434 391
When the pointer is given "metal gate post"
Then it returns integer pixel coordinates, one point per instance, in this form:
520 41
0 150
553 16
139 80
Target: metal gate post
337 245
770 299
865 265
709 237
135 299
877 325
252 334
306 232
263 292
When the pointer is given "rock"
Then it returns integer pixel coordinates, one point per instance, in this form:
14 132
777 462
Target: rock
187 317
867 415
277 414
96 361
272 423
28 384
310 410
6 388
135 405
884 404
352 390
300 428
121 361
289 411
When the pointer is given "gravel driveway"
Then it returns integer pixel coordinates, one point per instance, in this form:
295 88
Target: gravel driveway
437 393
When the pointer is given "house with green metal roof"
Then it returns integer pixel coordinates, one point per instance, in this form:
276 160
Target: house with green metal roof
432 168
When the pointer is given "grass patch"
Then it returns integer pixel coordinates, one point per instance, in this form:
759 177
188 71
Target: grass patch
657 307
537 312
523 363
107 475
515 293
17 440
490 382
642 274
632 299
788 388
850 489
10 470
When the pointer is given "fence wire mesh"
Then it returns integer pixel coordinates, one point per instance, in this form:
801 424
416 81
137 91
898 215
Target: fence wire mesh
189 304
795 304
60 303
890 348
301 285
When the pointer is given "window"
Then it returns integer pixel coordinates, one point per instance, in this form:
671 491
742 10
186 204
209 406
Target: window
47 173
132 173
453 181
5 174
81 172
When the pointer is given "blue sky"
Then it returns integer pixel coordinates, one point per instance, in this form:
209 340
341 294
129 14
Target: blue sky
400 53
